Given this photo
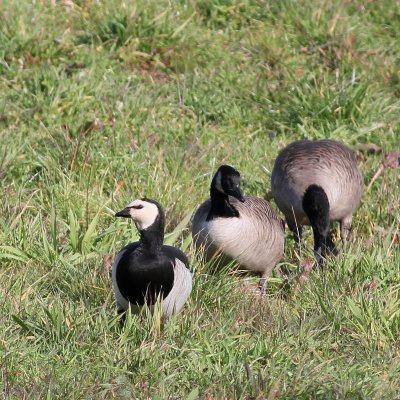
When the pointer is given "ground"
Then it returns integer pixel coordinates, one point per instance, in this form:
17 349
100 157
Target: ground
102 102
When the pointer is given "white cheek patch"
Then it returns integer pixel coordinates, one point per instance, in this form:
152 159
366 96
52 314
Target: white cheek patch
144 217
218 184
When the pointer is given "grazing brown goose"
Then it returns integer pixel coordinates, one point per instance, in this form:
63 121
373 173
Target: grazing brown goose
314 183
246 229
146 270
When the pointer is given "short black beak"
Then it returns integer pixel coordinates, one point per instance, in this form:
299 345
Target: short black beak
123 213
237 194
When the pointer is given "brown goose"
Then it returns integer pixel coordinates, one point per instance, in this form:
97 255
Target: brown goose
246 229
314 183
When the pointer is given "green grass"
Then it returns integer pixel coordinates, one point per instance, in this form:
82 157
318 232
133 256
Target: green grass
103 102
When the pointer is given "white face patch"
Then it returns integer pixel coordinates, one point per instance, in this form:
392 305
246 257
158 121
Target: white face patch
145 215
218 185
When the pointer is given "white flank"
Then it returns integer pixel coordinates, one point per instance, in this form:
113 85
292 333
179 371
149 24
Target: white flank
180 291
122 303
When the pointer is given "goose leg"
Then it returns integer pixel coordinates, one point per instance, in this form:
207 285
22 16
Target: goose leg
345 226
263 284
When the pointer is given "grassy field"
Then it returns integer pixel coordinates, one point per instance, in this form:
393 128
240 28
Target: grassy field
102 102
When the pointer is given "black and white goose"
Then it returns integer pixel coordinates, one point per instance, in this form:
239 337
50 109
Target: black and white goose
246 229
146 270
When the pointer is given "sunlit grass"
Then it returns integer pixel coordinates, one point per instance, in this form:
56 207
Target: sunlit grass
104 102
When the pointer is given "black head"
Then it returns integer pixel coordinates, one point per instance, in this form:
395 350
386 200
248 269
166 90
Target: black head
227 181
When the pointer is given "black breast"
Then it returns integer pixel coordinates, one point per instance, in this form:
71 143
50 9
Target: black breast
142 277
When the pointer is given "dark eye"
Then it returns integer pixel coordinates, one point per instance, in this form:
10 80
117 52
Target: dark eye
234 183
137 207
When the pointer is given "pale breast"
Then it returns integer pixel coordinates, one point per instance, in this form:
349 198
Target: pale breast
255 238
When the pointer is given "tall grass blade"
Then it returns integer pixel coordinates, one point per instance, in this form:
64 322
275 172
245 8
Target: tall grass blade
73 230
12 253
88 237
171 237
53 228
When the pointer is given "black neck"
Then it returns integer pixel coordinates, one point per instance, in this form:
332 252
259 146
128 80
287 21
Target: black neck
152 238
220 205
316 206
